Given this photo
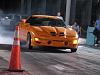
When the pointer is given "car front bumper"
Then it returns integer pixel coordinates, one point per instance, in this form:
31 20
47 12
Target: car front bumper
64 43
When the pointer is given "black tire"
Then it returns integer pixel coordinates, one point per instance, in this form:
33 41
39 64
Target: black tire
73 50
28 44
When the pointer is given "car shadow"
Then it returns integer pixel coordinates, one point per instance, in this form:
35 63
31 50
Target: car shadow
37 50
45 50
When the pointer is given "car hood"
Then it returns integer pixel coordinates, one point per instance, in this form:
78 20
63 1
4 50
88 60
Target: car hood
53 31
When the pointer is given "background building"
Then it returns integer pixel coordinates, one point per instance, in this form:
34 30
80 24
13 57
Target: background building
82 10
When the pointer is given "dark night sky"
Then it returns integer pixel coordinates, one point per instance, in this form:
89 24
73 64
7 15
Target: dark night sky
9 5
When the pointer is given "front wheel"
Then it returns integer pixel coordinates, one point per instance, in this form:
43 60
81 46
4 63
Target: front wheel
28 45
73 50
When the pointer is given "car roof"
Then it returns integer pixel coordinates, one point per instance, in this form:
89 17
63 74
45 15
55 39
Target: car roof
46 16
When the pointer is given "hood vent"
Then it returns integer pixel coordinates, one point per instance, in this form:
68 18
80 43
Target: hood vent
53 33
61 34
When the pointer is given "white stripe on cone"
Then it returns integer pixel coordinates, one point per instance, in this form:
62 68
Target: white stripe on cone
16 42
16 37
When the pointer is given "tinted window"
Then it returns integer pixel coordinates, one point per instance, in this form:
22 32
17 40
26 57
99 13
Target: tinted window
34 21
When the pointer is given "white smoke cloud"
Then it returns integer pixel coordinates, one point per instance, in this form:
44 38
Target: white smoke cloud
6 37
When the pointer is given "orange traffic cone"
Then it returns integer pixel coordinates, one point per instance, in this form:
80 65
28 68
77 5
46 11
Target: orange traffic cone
15 64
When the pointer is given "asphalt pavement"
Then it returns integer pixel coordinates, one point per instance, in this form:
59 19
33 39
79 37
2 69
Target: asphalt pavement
85 61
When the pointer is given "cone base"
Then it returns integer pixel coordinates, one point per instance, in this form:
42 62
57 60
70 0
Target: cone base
15 70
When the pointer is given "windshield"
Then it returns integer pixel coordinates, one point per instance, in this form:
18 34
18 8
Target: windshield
35 21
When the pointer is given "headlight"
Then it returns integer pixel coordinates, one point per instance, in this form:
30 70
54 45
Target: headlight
75 41
36 39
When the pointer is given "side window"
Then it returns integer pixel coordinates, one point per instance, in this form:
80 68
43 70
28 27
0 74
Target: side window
29 20
34 21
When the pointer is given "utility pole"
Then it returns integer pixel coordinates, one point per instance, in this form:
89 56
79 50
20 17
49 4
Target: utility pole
73 12
68 7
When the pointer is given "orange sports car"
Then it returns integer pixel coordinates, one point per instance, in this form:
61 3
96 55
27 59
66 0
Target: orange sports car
47 31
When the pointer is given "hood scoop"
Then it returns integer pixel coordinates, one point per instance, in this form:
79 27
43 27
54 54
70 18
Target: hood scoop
53 33
61 34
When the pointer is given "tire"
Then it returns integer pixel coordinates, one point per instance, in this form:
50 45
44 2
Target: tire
28 44
73 50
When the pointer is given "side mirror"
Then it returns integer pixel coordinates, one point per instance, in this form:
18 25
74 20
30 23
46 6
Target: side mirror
23 20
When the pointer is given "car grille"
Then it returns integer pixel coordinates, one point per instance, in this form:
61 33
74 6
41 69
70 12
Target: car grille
61 34
53 33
